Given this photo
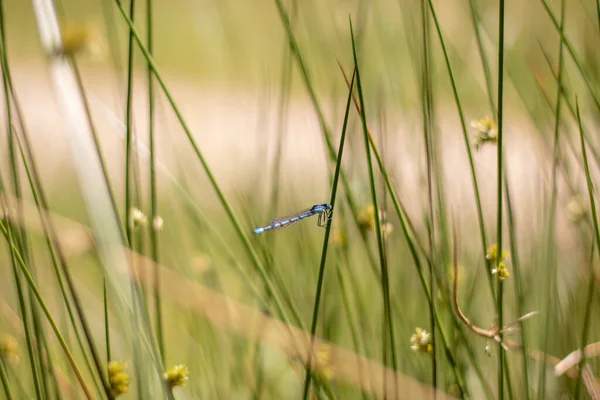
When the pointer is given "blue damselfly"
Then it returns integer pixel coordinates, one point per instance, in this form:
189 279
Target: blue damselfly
323 210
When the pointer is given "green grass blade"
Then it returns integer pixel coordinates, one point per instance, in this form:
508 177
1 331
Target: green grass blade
457 101
484 60
282 119
591 286
574 55
315 315
428 126
31 353
510 217
56 255
489 91
551 272
41 302
154 229
129 133
34 357
106 322
5 383
388 322
500 160
595 154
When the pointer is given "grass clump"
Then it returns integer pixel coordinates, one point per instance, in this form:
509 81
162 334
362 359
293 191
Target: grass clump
147 254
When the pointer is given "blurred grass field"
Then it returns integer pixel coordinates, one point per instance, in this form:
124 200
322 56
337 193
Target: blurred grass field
128 266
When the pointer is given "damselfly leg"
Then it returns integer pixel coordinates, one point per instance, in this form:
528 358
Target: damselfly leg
324 218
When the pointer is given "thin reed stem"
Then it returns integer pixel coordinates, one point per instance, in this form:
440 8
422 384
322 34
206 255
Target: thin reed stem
388 325
315 314
129 129
5 383
427 120
574 56
106 322
154 216
463 125
511 223
34 357
500 161
591 284
551 273
42 303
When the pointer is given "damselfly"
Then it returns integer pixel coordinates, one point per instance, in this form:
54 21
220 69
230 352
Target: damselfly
323 210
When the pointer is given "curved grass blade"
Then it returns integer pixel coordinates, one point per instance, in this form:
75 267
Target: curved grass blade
387 307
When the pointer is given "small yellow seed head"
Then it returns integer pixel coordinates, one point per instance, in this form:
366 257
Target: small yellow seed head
323 365
118 377
487 132
501 271
177 375
386 229
367 222
9 350
81 39
576 210
338 238
492 253
138 218
420 341
157 224
366 219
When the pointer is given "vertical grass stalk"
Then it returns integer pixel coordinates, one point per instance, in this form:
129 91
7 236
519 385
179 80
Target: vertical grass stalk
56 255
106 322
315 315
590 295
128 127
518 283
574 56
388 323
37 294
154 229
550 254
500 122
35 358
5 383
427 117
457 101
